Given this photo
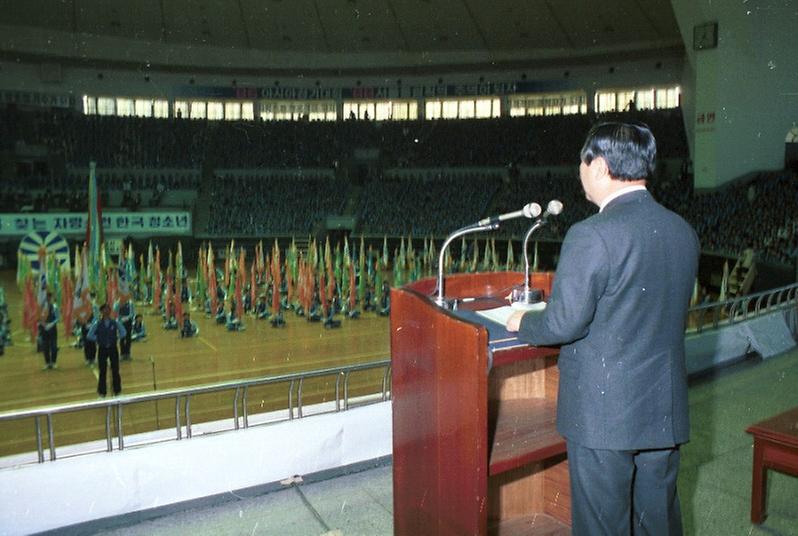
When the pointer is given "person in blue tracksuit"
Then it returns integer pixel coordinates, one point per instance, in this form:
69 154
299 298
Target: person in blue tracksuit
106 333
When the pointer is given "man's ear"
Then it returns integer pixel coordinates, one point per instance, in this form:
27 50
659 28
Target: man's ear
600 168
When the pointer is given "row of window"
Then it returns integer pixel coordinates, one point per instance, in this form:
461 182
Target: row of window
638 99
554 104
387 110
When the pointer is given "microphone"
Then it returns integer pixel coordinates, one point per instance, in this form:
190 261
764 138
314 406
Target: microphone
532 210
552 209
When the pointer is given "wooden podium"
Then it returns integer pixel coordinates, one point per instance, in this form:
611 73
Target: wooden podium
475 450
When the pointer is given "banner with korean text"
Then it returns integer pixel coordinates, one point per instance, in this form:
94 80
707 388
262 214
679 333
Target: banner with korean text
143 224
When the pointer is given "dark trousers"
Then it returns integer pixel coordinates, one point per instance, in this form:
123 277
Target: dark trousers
89 350
50 345
112 354
619 493
124 342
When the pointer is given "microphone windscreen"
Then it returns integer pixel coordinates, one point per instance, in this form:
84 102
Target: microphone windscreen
532 210
554 207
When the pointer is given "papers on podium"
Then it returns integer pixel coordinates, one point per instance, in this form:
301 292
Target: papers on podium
500 315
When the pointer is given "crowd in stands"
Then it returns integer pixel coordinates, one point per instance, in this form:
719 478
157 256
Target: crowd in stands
280 144
759 214
17 198
123 142
150 180
147 143
542 188
70 192
9 130
74 179
261 205
425 205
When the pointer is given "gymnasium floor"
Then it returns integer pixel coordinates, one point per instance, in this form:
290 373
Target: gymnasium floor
166 361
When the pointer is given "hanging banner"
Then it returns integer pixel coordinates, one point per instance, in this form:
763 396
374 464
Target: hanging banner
371 92
34 98
168 222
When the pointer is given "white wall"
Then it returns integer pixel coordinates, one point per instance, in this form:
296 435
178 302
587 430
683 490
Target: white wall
46 496
750 83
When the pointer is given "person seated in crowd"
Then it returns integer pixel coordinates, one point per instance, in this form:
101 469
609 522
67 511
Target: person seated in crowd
170 322
139 331
77 332
184 294
233 322
247 300
314 315
368 299
330 322
262 309
189 328
385 302
221 317
5 327
278 320
336 306
353 313
145 291
221 295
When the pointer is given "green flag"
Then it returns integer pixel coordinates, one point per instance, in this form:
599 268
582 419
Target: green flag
362 276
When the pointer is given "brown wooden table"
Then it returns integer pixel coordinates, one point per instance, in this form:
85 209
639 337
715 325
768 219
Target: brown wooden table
775 447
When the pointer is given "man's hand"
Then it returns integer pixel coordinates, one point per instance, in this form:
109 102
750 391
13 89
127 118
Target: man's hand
514 322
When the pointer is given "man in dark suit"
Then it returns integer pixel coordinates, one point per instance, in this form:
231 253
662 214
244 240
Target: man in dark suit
618 306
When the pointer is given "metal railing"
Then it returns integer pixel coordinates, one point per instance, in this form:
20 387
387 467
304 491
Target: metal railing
182 397
714 315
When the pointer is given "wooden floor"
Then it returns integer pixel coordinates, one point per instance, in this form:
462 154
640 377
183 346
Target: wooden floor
165 361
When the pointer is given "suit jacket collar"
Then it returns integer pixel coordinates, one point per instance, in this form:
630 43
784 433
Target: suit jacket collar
627 197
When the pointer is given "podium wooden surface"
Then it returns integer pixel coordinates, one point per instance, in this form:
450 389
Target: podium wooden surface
475 450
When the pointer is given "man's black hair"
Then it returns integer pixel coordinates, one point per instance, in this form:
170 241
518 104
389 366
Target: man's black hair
629 149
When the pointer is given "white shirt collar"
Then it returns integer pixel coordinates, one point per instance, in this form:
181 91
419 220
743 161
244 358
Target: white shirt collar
619 193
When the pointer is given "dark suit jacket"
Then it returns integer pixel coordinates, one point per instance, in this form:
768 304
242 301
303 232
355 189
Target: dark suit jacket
618 306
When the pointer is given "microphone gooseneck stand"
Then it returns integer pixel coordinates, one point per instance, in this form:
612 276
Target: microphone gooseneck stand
492 226
527 296
553 209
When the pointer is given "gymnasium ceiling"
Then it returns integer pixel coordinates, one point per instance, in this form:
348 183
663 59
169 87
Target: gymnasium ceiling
493 28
